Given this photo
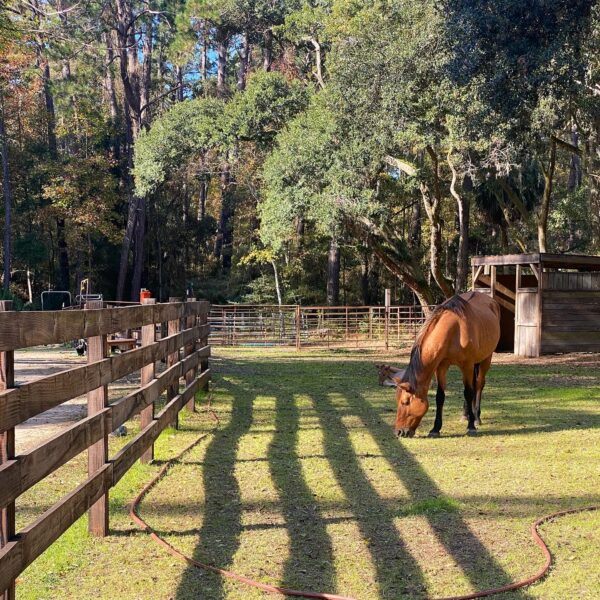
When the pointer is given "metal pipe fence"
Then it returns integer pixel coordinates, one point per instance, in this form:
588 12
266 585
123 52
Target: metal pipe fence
315 326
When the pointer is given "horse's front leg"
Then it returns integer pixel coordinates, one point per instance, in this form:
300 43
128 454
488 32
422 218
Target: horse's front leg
440 397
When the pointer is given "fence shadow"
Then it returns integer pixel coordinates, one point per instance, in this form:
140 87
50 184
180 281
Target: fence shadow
310 563
311 558
221 529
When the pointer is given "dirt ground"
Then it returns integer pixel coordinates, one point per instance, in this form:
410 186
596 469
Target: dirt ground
34 363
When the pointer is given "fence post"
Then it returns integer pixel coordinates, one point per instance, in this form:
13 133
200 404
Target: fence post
191 321
173 327
204 342
388 302
97 401
147 374
7 450
298 329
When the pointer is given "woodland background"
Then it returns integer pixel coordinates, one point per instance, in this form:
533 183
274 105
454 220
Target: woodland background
292 151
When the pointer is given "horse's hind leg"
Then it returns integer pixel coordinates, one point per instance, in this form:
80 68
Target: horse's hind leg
484 367
468 381
440 397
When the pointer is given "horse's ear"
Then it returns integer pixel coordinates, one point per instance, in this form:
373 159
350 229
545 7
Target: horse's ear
377 366
404 385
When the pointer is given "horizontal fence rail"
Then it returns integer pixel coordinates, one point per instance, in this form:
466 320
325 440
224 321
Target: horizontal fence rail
182 342
313 326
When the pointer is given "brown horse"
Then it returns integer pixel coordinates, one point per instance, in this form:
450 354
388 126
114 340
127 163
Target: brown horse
463 331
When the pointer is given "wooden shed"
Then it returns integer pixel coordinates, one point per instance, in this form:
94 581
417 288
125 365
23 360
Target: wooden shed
550 302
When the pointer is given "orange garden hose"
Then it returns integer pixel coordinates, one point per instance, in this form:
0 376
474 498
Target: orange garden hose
273 589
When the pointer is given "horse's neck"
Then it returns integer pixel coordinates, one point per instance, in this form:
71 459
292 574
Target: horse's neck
429 362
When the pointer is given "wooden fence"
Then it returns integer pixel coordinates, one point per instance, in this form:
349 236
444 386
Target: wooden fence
186 351
312 326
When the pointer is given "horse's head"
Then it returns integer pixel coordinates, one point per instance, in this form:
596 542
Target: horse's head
411 409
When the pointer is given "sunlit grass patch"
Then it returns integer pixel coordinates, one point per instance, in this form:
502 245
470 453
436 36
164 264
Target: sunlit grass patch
304 485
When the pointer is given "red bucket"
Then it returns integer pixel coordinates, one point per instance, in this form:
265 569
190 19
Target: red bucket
144 294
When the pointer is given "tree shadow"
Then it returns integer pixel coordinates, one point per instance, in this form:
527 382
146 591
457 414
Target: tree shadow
219 536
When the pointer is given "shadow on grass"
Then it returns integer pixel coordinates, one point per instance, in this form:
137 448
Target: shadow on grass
398 574
219 536
451 530
310 563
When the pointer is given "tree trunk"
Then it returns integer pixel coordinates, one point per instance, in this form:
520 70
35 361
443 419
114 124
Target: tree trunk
277 284
221 65
333 273
7 191
415 227
432 204
203 195
138 260
575 172
365 277
179 74
64 275
462 261
396 256
542 226
111 96
244 55
224 239
268 50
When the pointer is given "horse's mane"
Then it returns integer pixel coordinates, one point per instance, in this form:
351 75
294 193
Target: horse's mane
457 305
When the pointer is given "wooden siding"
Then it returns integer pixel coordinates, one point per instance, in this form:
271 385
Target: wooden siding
571 320
526 325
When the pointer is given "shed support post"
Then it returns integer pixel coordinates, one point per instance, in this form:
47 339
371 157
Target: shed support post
147 375
7 451
97 401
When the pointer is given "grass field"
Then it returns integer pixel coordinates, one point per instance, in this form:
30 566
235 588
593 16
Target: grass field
304 485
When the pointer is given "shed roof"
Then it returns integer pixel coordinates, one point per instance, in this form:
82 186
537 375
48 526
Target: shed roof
581 262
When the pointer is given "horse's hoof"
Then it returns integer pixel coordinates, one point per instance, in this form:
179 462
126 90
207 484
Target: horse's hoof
433 434
471 431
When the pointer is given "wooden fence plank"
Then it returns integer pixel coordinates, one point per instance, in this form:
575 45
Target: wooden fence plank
38 536
7 452
126 457
27 469
17 474
126 407
35 328
22 403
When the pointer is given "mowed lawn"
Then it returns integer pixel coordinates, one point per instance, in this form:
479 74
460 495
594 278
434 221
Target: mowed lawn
304 485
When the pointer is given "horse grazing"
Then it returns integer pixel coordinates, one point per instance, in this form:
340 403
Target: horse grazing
389 376
463 331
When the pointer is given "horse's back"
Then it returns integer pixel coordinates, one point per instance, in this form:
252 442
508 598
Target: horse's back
482 321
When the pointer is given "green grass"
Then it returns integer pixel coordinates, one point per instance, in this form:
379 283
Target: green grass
304 485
